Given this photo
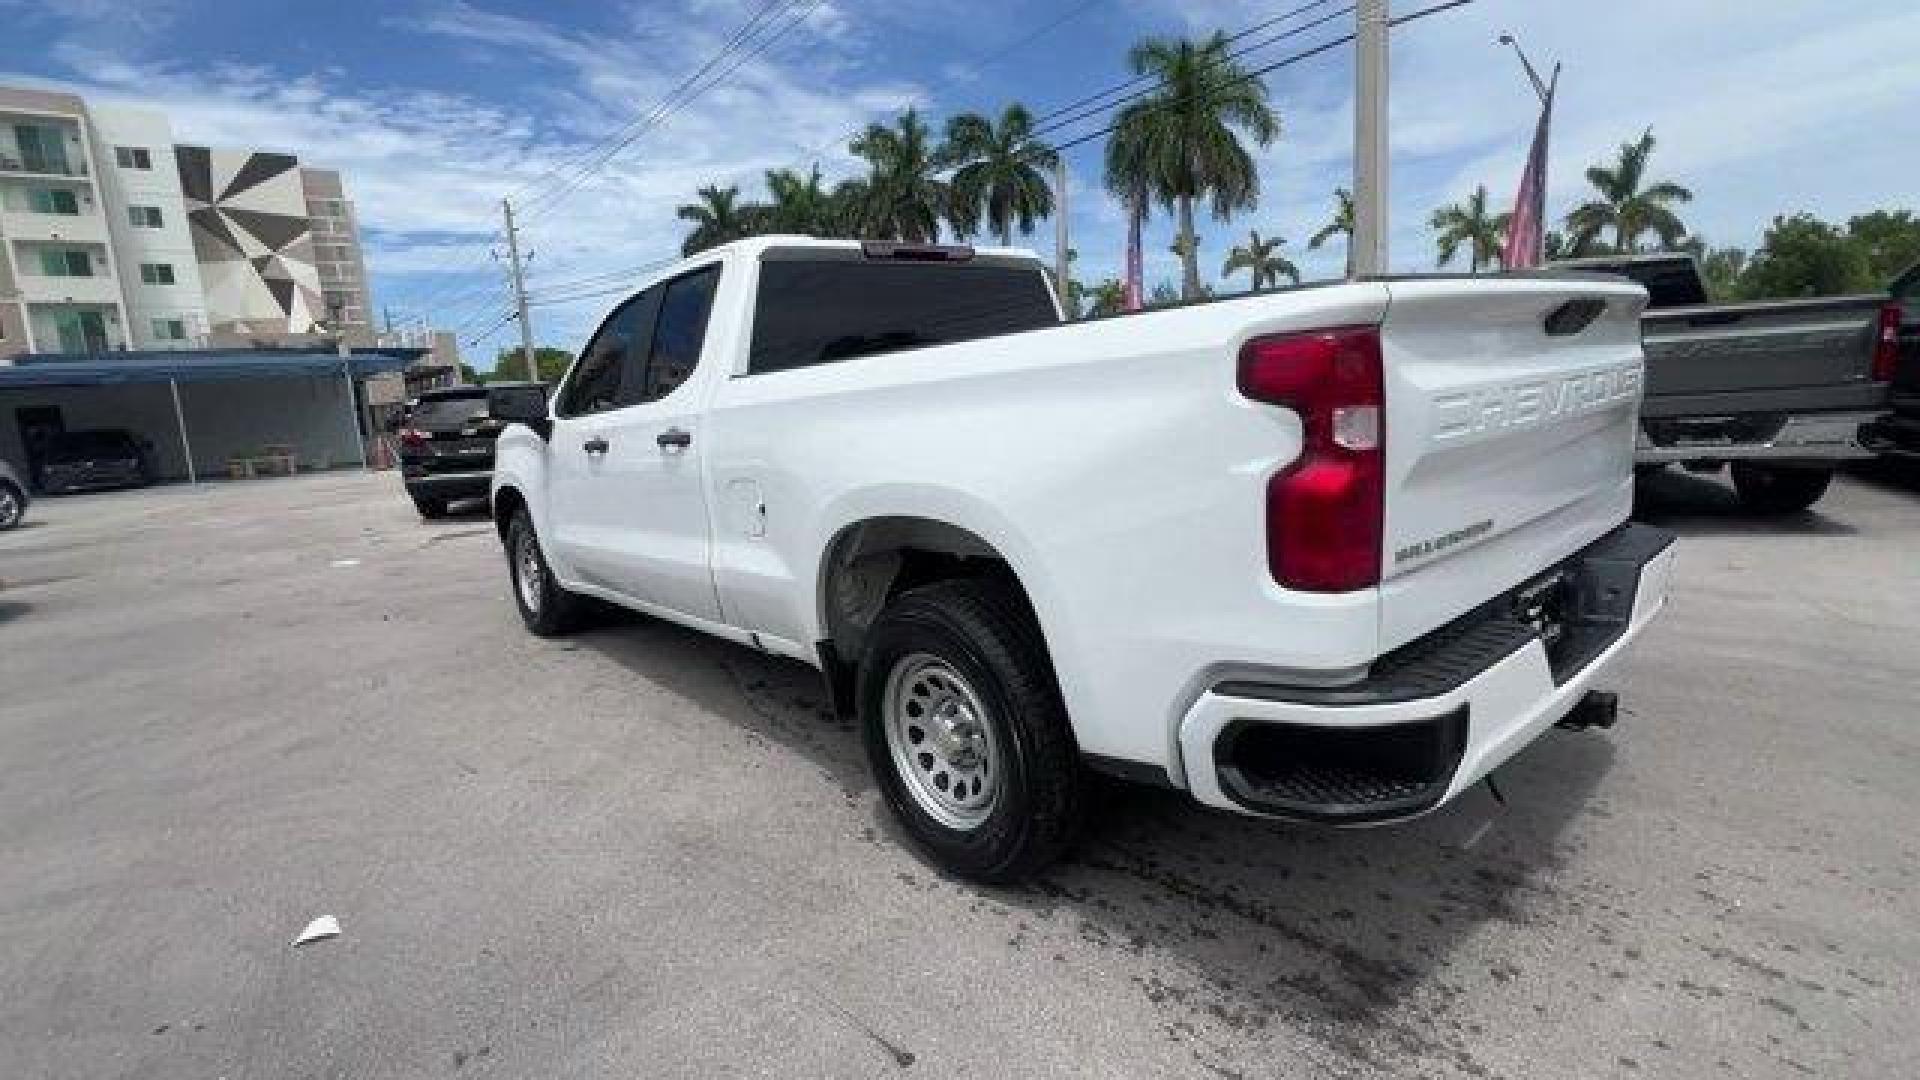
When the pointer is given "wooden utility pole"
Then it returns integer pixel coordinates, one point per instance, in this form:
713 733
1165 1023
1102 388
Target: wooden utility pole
519 293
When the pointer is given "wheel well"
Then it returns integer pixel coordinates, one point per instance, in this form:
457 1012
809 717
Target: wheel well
871 562
506 503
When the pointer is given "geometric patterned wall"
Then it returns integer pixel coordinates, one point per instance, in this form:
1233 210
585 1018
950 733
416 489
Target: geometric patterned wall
252 239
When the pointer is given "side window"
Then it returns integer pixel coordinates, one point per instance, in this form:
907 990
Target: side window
678 333
595 384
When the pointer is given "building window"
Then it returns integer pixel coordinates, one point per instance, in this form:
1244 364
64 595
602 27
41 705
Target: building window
169 330
156 273
60 262
144 217
132 157
53 201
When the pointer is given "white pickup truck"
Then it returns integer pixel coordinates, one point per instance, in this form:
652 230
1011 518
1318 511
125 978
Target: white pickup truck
1328 554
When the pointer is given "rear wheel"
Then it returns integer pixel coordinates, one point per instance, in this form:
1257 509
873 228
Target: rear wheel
546 608
966 732
1779 489
13 505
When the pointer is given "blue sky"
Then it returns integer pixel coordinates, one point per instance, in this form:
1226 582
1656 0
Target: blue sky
434 109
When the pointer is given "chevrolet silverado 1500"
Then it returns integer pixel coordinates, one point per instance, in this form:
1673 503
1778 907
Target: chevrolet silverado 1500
1328 554
1781 389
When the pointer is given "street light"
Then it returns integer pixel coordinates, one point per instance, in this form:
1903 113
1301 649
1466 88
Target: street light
1539 86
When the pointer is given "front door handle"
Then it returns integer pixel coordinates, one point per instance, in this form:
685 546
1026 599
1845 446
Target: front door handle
676 437
595 445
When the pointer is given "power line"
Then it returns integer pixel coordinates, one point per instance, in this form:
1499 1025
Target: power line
1080 103
1267 69
685 94
732 42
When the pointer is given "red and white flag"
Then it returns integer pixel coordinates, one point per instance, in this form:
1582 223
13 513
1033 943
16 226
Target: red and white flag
1526 229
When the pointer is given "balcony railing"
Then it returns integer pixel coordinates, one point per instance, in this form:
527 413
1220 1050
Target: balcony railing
41 166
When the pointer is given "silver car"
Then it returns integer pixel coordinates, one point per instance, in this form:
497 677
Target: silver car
13 497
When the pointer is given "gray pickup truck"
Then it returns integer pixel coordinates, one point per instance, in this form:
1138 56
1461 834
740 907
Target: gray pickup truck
1897 435
1778 389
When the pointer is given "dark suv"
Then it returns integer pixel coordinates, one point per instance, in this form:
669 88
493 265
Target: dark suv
89 460
446 447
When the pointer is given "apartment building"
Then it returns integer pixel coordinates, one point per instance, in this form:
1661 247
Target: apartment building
336 253
147 221
59 282
114 237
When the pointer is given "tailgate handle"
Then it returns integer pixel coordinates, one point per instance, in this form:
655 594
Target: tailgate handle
1574 316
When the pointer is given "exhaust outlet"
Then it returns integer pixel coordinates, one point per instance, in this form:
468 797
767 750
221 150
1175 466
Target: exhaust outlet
1598 709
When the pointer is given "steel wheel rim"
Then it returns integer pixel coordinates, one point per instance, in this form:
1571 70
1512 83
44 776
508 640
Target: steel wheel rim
527 571
9 507
943 744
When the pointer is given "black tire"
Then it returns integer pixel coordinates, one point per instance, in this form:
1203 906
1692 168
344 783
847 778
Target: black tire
430 507
13 505
984 631
554 611
1779 489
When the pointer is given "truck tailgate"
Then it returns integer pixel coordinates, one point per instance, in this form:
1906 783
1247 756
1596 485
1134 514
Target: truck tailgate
1510 412
1773 345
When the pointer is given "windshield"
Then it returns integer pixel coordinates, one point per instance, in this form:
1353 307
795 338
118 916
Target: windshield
450 411
80 445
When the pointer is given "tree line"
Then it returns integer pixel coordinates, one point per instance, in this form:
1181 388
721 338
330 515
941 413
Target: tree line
1185 144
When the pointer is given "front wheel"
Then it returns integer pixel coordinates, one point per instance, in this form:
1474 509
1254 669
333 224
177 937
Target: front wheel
966 733
546 608
13 505
1779 489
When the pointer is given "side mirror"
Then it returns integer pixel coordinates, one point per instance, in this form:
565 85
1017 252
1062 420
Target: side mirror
520 405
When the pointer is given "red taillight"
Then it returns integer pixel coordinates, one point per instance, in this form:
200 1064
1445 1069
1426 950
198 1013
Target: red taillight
1325 511
412 438
1886 343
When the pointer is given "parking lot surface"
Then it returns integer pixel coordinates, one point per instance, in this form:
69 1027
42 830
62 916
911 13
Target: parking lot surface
228 710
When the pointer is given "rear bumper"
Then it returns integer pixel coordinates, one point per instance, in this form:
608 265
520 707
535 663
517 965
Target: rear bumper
1433 717
1897 434
1810 437
452 485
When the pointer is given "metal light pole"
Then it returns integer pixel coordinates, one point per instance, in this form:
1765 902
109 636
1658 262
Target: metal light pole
1369 240
1061 263
345 353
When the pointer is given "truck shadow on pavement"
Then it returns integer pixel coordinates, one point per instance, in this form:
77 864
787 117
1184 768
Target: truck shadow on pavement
1347 936
1695 505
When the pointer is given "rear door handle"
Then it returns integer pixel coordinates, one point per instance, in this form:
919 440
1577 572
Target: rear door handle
674 436
595 445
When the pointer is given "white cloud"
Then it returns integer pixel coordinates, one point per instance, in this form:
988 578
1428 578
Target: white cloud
427 168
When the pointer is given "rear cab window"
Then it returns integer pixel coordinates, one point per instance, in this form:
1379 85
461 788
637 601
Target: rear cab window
451 410
821 305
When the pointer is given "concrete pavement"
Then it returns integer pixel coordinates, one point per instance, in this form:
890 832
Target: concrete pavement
227 710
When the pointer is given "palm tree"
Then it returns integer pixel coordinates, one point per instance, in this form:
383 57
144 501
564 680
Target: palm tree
1469 223
1263 259
1128 179
717 218
799 205
1108 297
1627 207
999 173
903 196
1187 133
1341 225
